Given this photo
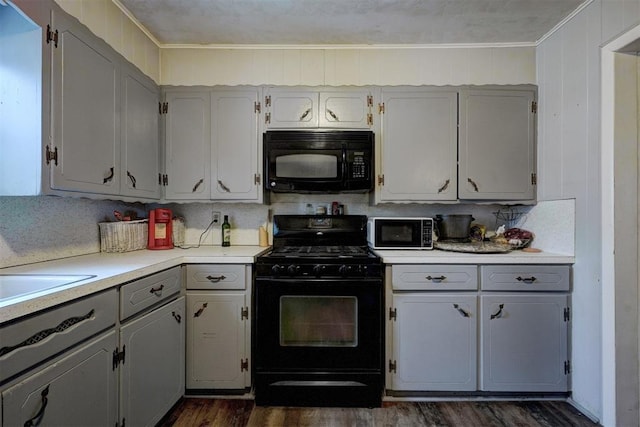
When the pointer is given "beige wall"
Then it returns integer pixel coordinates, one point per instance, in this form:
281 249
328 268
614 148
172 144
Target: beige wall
339 66
107 21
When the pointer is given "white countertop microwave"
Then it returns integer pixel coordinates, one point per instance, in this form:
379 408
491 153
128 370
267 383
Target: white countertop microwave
400 232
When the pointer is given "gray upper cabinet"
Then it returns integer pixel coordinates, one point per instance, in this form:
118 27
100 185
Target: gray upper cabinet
140 135
418 145
85 110
187 144
234 145
309 107
497 143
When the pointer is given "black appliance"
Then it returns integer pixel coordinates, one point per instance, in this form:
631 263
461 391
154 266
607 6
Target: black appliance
318 161
400 232
318 321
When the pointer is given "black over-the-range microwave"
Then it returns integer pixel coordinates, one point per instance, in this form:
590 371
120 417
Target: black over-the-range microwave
319 161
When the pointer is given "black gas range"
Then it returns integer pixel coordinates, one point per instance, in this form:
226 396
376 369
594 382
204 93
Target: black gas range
318 327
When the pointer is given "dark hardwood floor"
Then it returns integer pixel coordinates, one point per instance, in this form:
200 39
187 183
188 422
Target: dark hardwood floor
198 412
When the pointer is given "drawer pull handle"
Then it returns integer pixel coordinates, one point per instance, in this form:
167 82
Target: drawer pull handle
499 313
213 279
526 279
199 312
460 310
38 417
436 279
176 316
36 338
157 290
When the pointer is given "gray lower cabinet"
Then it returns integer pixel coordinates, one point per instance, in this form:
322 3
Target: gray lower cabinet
152 347
434 342
524 324
152 373
510 335
218 327
78 390
524 342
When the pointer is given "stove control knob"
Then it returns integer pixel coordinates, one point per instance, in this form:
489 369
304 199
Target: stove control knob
319 269
293 269
277 269
344 270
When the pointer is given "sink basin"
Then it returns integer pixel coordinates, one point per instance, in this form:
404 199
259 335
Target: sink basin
16 285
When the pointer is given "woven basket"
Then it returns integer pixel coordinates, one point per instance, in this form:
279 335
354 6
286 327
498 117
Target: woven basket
123 236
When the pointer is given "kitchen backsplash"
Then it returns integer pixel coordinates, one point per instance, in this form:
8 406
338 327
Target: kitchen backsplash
34 229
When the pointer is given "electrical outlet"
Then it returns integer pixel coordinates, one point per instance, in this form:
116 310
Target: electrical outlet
215 218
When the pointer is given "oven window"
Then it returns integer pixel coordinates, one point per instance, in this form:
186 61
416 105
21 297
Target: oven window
318 321
307 166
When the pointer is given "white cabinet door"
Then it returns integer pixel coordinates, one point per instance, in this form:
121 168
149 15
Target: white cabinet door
524 342
418 155
217 353
234 145
434 342
78 390
188 145
346 109
497 144
85 85
152 374
140 136
290 109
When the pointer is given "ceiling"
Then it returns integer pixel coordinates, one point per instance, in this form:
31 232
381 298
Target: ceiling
349 22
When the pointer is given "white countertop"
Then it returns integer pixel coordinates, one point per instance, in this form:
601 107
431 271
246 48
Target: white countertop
446 257
112 269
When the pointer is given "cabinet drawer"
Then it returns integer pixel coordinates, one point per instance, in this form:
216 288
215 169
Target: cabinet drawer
216 276
30 341
143 293
525 277
435 277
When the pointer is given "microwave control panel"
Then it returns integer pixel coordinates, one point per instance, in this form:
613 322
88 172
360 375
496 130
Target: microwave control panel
427 233
358 168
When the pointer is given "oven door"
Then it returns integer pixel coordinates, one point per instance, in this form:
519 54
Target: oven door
318 325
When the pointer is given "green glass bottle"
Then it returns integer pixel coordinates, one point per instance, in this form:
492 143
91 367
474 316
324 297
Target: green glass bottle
226 231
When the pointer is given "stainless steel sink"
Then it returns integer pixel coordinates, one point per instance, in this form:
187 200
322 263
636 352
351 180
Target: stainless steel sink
16 285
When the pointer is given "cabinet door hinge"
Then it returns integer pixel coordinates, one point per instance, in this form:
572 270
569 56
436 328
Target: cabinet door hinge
120 425
118 357
534 179
393 366
256 179
256 107
381 179
393 313
51 155
534 107
567 367
267 118
369 119
163 180
244 364
163 107
244 313
369 100
381 108
52 36
567 314
267 101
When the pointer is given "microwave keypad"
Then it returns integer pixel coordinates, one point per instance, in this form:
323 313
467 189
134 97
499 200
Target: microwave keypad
358 167
427 233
